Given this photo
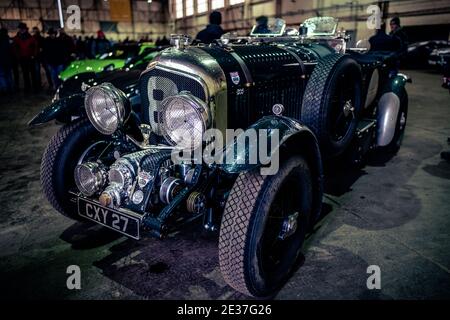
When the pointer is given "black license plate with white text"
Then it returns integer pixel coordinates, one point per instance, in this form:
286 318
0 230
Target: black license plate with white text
116 220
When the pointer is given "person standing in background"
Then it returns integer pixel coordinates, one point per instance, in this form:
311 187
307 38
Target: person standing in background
80 48
46 66
382 42
262 25
89 47
38 59
26 49
53 56
398 33
67 46
6 59
213 30
101 44
164 41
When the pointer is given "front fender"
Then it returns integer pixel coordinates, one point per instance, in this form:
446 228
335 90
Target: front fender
60 109
293 138
271 132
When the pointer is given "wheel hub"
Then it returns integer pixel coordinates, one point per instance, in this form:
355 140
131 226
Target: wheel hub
402 121
348 108
289 226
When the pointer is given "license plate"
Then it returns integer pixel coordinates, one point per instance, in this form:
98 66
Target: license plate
119 221
431 62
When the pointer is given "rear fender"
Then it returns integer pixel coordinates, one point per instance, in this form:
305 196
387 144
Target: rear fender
388 108
62 110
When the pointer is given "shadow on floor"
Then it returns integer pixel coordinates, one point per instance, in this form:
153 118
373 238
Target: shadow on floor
440 170
182 266
88 235
185 265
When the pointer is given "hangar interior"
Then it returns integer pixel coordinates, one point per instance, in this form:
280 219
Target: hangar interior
158 18
392 213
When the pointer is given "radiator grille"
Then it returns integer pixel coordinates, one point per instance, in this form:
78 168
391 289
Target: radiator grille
157 84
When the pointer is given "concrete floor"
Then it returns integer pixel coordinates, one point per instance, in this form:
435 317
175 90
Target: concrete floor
393 214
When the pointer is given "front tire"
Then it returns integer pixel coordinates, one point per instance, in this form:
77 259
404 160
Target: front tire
253 256
59 160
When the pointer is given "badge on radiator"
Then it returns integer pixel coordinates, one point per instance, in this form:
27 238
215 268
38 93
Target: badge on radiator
144 178
235 77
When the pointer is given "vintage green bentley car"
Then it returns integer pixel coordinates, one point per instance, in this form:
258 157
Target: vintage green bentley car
116 58
235 135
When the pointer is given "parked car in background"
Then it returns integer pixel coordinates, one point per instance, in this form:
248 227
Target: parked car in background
439 58
120 55
419 52
69 97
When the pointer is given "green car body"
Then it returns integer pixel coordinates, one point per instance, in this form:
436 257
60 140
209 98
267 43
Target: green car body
115 59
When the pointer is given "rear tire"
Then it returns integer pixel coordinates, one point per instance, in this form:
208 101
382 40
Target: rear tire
335 81
253 259
59 160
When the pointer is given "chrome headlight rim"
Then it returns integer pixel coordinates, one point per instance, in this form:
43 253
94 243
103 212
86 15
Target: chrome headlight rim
200 109
117 100
97 174
123 170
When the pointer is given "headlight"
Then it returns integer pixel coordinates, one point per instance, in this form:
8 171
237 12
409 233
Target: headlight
105 107
122 174
183 119
90 177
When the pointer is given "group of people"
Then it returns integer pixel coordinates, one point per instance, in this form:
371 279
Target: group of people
24 56
29 52
90 46
396 41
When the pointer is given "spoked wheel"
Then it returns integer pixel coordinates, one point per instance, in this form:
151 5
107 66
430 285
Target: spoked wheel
332 102
263 228
284 231
342 111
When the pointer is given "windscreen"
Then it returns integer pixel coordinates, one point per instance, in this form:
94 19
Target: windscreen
268 27
321 26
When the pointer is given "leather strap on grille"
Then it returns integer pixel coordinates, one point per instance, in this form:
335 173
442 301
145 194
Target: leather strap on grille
247 74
